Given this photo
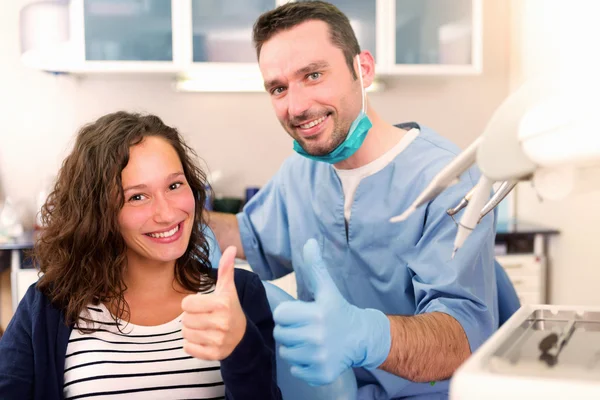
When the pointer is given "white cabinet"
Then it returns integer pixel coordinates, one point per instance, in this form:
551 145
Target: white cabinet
128 30
23 279
435 37
363 16
522 250
214 37
527 273
222 29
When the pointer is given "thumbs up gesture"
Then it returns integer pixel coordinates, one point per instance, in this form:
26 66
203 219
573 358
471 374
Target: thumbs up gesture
214 323
323 338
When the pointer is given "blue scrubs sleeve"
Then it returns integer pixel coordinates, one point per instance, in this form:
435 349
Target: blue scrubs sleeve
463 287
214 252
264 231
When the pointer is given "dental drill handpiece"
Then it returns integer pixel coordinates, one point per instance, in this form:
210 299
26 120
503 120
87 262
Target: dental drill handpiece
470 217
505 188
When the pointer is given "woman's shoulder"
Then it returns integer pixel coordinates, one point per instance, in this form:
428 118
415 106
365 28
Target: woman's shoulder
250 289
34 298
246 281
35 305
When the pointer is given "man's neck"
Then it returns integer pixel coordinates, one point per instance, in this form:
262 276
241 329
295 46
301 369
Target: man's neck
381 138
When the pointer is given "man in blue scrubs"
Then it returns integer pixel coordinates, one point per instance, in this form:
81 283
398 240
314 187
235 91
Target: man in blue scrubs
385 299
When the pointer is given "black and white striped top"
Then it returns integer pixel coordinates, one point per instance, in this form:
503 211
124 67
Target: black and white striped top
143 362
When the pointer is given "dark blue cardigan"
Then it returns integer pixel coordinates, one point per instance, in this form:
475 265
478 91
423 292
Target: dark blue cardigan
33 349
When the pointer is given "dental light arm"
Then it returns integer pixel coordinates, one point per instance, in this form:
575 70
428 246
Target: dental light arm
539 132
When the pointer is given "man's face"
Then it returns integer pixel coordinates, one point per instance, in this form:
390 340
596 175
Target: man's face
313 92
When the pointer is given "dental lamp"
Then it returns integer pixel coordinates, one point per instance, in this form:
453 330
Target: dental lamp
544 132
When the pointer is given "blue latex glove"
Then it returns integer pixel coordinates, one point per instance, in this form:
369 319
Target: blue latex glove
322 339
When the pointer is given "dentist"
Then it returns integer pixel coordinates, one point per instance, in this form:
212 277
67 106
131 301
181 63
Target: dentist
385 299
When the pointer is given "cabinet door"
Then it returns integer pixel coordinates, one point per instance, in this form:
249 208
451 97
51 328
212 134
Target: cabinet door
437 32
363 18
128 30
222 29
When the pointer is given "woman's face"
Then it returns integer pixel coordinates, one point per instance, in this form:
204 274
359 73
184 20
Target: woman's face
158 213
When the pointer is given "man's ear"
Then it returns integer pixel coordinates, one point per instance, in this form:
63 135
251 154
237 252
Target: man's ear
367 64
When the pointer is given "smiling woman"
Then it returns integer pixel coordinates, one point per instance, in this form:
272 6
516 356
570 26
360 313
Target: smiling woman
128 291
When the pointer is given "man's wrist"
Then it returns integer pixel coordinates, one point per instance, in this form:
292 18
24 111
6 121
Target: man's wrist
377 338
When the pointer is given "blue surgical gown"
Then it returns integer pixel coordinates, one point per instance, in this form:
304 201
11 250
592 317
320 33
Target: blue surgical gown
399 268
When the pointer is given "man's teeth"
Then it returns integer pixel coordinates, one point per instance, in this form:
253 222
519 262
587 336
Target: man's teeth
165 234
313 123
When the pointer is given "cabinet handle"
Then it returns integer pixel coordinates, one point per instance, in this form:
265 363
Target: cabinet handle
512 266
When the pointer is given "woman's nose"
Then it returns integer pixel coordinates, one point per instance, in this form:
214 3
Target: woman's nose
163 210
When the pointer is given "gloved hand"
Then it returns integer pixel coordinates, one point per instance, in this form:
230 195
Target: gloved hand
321 339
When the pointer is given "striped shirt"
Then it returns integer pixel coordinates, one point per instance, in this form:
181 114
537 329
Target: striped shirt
141 362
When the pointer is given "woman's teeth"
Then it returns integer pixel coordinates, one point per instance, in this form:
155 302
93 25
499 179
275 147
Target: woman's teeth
313 123
165 234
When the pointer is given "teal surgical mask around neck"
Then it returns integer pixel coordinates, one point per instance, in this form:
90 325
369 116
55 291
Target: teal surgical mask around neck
355 138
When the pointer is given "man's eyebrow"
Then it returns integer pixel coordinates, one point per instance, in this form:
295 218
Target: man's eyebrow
273 83
312 67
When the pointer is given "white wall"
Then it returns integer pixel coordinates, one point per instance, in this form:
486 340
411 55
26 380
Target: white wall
559 37
236 133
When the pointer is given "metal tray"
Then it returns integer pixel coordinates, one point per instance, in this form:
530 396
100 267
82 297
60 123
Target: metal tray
579 357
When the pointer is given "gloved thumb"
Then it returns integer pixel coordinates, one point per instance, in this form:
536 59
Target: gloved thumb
315 269
225 281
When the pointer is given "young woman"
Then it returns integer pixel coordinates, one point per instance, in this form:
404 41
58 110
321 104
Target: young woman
127 306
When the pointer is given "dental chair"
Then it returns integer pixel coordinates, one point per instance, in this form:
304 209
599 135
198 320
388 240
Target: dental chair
343 388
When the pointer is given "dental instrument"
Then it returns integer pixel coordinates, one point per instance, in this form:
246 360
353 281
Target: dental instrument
470 218
444 179
462 204
505 188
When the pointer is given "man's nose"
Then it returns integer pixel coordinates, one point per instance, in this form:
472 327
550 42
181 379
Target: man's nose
298 103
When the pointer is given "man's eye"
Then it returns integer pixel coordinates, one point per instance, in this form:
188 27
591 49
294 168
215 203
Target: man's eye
314 75
277 90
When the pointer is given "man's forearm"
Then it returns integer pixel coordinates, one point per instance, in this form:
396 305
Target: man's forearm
426 347
226 229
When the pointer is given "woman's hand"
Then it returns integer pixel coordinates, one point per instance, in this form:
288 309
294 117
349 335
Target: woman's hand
214 323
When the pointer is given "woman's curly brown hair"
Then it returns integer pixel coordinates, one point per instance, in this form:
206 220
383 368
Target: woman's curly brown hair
80 249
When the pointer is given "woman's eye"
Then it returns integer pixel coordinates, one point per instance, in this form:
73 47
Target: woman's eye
136 197
175 185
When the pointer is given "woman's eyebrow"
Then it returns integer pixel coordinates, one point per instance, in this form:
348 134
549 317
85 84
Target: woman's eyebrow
143 186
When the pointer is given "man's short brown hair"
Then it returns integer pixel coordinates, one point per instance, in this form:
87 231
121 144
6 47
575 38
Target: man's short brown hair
292 14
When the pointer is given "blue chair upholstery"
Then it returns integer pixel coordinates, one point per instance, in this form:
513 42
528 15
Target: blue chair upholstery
344 388
508 301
